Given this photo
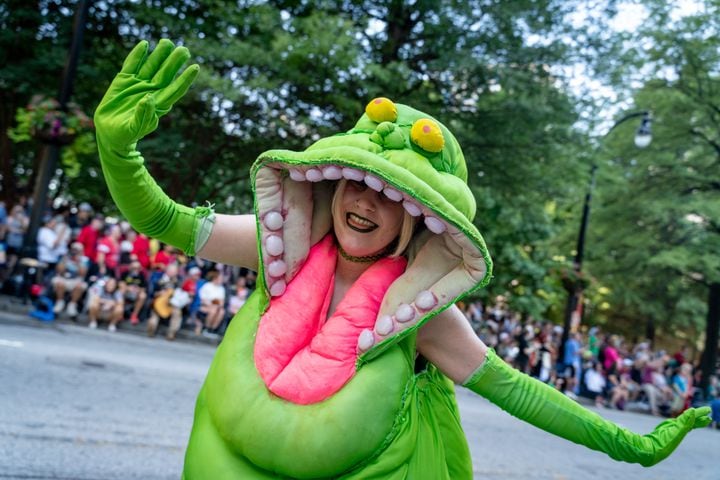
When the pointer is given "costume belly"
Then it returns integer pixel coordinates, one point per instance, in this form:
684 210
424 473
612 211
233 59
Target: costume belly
274 435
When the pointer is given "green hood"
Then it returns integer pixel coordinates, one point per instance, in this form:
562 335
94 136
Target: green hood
412 158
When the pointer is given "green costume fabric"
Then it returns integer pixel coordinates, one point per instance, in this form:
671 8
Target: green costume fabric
550 410
387 421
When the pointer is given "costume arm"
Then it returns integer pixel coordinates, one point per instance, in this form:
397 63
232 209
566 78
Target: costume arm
144 90
538 404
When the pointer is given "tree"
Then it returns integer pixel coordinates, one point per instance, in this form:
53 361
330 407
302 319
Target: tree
665 205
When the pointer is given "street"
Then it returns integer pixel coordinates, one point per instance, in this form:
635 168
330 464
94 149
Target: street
86 404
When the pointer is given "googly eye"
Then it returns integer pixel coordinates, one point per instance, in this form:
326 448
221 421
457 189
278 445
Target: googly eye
381 109
426 134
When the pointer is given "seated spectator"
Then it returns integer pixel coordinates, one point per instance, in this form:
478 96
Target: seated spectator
163 306
70 277
134 288
682 389
595 382
212 301
238 298
107 305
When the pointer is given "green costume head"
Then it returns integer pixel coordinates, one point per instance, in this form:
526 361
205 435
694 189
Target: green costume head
410 157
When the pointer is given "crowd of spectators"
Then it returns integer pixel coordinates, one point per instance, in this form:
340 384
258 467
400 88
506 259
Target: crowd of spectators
604 368
100 266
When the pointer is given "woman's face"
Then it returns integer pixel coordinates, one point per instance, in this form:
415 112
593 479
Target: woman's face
367 221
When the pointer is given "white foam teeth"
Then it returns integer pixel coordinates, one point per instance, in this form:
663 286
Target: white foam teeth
374 182
314 175
435 225
297 175
425 300
274 245
412 208
273 221
332 173
365 340
392 194
384 325
277 288
353 174
277 268
404 313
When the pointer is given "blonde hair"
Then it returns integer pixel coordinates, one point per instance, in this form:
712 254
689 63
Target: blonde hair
406 229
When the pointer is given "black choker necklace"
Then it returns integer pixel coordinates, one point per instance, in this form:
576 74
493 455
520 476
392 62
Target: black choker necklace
365 259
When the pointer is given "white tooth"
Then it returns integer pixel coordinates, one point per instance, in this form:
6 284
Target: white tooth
274 245
425 300
314 175
273 221
297 175
384 325
392 194
332 172
365 340
277 288
404 313
435 225
277 268
353 174
412 208
374 182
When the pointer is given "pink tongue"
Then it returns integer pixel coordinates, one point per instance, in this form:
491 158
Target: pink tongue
303 358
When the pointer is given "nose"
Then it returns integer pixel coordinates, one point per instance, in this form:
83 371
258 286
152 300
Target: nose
367 200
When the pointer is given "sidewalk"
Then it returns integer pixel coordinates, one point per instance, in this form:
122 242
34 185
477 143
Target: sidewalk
16 306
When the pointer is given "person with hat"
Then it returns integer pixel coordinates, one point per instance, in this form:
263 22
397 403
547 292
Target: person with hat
341 362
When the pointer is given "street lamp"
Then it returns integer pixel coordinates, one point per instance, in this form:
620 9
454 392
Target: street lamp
573 309
52 151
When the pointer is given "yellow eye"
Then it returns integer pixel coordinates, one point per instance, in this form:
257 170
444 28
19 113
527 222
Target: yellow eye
381 109
426 134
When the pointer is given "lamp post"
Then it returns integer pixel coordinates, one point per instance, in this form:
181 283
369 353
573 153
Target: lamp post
573 309
52 151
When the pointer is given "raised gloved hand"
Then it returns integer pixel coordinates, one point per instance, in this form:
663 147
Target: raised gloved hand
538 404
145 89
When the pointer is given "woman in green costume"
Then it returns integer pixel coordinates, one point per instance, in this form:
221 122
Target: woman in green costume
342 362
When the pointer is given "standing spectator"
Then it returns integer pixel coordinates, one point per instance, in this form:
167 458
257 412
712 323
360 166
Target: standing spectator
107 305
17 224
681 382
134 287
88 237
212 301
48 244
141 247
108 251
70 277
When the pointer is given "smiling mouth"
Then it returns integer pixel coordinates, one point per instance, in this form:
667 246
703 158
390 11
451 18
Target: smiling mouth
359 224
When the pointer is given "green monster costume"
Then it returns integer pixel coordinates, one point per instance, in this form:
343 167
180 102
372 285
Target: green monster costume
290 395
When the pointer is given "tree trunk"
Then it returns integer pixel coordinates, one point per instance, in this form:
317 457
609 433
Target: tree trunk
650 330
712 328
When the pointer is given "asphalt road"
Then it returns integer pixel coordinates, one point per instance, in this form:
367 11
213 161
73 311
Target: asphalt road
87 404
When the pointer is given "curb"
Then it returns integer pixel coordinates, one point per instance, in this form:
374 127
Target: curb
16 306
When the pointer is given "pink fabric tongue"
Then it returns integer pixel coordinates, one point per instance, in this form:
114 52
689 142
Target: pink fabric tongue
300 356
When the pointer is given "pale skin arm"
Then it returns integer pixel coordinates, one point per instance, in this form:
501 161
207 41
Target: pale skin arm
450 344
233 241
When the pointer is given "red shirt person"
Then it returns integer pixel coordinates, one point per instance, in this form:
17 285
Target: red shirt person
108 251
88 237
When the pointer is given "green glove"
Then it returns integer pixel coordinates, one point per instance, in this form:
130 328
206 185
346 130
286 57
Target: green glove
145 89
546 408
